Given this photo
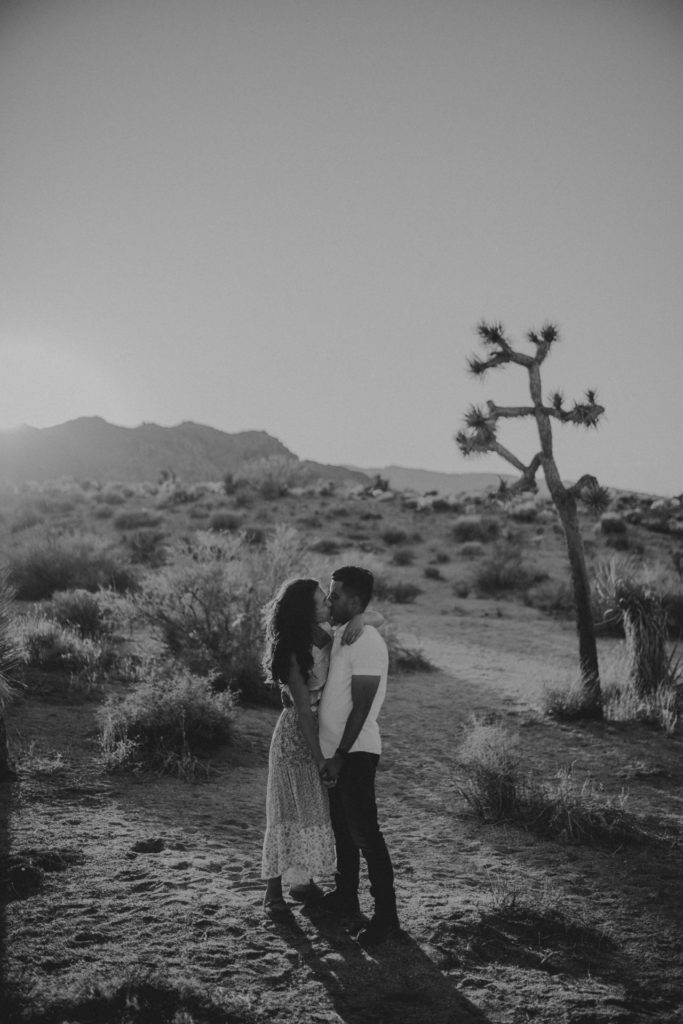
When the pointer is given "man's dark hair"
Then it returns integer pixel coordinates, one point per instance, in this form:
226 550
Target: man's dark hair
359 582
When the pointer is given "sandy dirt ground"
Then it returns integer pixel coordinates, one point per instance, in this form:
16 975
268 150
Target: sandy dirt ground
162 877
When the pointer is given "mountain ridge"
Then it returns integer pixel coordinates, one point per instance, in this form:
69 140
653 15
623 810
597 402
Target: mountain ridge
91 448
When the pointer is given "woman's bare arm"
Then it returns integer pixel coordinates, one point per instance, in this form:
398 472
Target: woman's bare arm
302 702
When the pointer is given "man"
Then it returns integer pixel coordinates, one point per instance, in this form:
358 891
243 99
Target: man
351 745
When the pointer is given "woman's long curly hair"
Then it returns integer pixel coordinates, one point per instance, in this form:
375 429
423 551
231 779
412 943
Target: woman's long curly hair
290 622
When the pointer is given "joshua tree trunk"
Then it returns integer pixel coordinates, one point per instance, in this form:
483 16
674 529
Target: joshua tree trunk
588 651
481 436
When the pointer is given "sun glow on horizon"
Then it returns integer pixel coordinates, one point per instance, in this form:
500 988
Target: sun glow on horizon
44 385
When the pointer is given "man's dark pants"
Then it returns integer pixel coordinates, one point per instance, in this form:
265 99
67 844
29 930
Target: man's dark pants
353 811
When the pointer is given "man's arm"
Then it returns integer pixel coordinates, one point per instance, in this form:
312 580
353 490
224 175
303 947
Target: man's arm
363 690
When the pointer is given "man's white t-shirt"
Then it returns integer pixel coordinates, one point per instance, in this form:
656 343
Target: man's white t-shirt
368 656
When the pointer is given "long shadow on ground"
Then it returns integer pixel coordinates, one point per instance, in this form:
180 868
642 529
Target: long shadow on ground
395 984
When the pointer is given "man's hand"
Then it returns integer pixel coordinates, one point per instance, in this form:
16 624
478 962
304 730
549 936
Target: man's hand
329 770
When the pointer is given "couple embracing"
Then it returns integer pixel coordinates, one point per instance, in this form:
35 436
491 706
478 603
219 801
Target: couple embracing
330 663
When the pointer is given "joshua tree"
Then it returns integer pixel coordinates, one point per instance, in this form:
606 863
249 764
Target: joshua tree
481 435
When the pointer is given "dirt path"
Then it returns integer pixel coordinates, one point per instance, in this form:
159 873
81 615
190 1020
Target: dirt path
168 879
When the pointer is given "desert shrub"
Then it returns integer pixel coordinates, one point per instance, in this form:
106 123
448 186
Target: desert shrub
167 721
526 512
504 569
461 588
394 536
205 606
370 515
147 547
396 592
325 546
612 523
137 519
103 512
497 786
48 645
199 512
551 597
431 572
273 476
472 549
403 556
38 570
110 496
255 535
619 542
25 518
475 527
441 558
404 657
83 611
222 522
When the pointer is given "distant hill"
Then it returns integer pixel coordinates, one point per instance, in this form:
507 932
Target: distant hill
401 478
89 448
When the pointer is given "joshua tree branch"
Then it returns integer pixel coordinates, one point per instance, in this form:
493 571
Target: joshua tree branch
509 411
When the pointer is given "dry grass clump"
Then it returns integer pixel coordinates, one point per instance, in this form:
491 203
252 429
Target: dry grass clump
475 527
135 997
51 647
404 657
497 787
206 606
398 592
504 569
167 722
137 519
90 614
403 556
38 570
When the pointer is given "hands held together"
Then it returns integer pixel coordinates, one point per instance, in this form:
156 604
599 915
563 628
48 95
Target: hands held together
330 769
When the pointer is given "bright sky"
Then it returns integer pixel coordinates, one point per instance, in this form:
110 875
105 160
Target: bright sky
290 215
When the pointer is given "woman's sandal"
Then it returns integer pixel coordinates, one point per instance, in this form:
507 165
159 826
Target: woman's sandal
306 894
276 909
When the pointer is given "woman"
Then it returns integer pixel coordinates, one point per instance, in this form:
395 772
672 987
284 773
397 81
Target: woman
299 843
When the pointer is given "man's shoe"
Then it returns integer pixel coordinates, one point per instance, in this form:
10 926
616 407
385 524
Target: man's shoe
307 894
378 931
340 904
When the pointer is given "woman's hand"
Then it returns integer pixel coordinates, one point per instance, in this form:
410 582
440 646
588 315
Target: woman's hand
353 629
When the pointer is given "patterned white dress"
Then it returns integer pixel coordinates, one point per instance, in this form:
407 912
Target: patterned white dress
299 842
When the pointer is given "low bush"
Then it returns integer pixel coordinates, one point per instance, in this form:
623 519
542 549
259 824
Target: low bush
206 605
461 588
441 558
137 519
325 546
431 572
504 569
394 536
475 527
83 611
403 556
396 592
147 547
551 597
224 522
37 571
273 476
49 646
404 657
497 787
472 549
167 721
